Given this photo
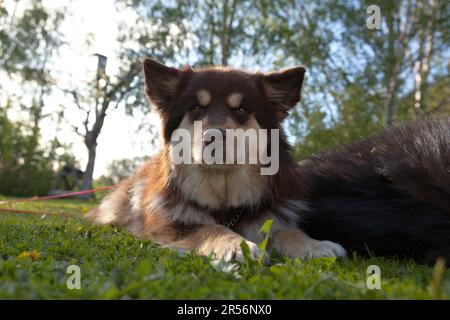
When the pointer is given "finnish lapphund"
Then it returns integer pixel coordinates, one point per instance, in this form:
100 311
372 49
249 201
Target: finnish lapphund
389 194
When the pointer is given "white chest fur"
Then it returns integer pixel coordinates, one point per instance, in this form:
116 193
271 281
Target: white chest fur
218 189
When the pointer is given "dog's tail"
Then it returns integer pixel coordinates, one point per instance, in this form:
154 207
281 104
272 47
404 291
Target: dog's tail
389 193
418 162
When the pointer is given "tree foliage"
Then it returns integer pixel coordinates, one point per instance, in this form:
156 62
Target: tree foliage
30 39
358 79
25 167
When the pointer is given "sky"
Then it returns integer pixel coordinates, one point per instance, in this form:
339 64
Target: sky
97 20
75 65
119 138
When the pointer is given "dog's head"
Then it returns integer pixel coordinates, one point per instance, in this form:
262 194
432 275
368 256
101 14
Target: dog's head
211 102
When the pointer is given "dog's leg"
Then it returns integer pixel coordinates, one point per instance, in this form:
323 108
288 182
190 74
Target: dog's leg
218 240
295 243
206 239
222 242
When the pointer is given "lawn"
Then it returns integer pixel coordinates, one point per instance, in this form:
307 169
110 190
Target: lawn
36 251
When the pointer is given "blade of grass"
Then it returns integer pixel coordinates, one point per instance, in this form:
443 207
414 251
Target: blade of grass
263 245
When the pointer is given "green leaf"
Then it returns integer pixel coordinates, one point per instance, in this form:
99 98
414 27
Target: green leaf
246 252
263 245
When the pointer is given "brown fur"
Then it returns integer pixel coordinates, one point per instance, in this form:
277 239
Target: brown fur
207 208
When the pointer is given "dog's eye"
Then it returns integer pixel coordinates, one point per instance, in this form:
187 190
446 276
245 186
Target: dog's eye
242 110
198 109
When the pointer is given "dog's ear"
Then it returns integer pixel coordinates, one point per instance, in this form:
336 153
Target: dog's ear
283 88
161 82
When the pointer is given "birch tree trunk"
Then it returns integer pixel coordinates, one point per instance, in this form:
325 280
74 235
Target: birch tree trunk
228 12
392 66
422 63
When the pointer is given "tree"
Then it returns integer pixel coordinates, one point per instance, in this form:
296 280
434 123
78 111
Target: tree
118 170
103 97
30 42
411 43
356 77
25 166
374 68
202 33
431 17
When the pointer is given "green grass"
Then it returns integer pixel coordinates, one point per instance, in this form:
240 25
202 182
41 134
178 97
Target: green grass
35 253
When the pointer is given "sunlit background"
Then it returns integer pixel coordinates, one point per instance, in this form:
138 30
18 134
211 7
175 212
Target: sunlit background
88 27
359 79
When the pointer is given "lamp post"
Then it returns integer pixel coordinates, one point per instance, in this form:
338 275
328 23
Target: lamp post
101 66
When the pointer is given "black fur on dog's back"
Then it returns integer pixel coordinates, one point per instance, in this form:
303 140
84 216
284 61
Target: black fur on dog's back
389 194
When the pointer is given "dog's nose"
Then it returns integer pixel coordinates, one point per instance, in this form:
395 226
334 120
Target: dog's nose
210 135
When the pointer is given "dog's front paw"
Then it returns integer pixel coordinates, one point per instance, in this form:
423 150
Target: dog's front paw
233 251
317 249
296 244
311 249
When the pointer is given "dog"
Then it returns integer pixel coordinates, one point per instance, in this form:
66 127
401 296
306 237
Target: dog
213 208
386 195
